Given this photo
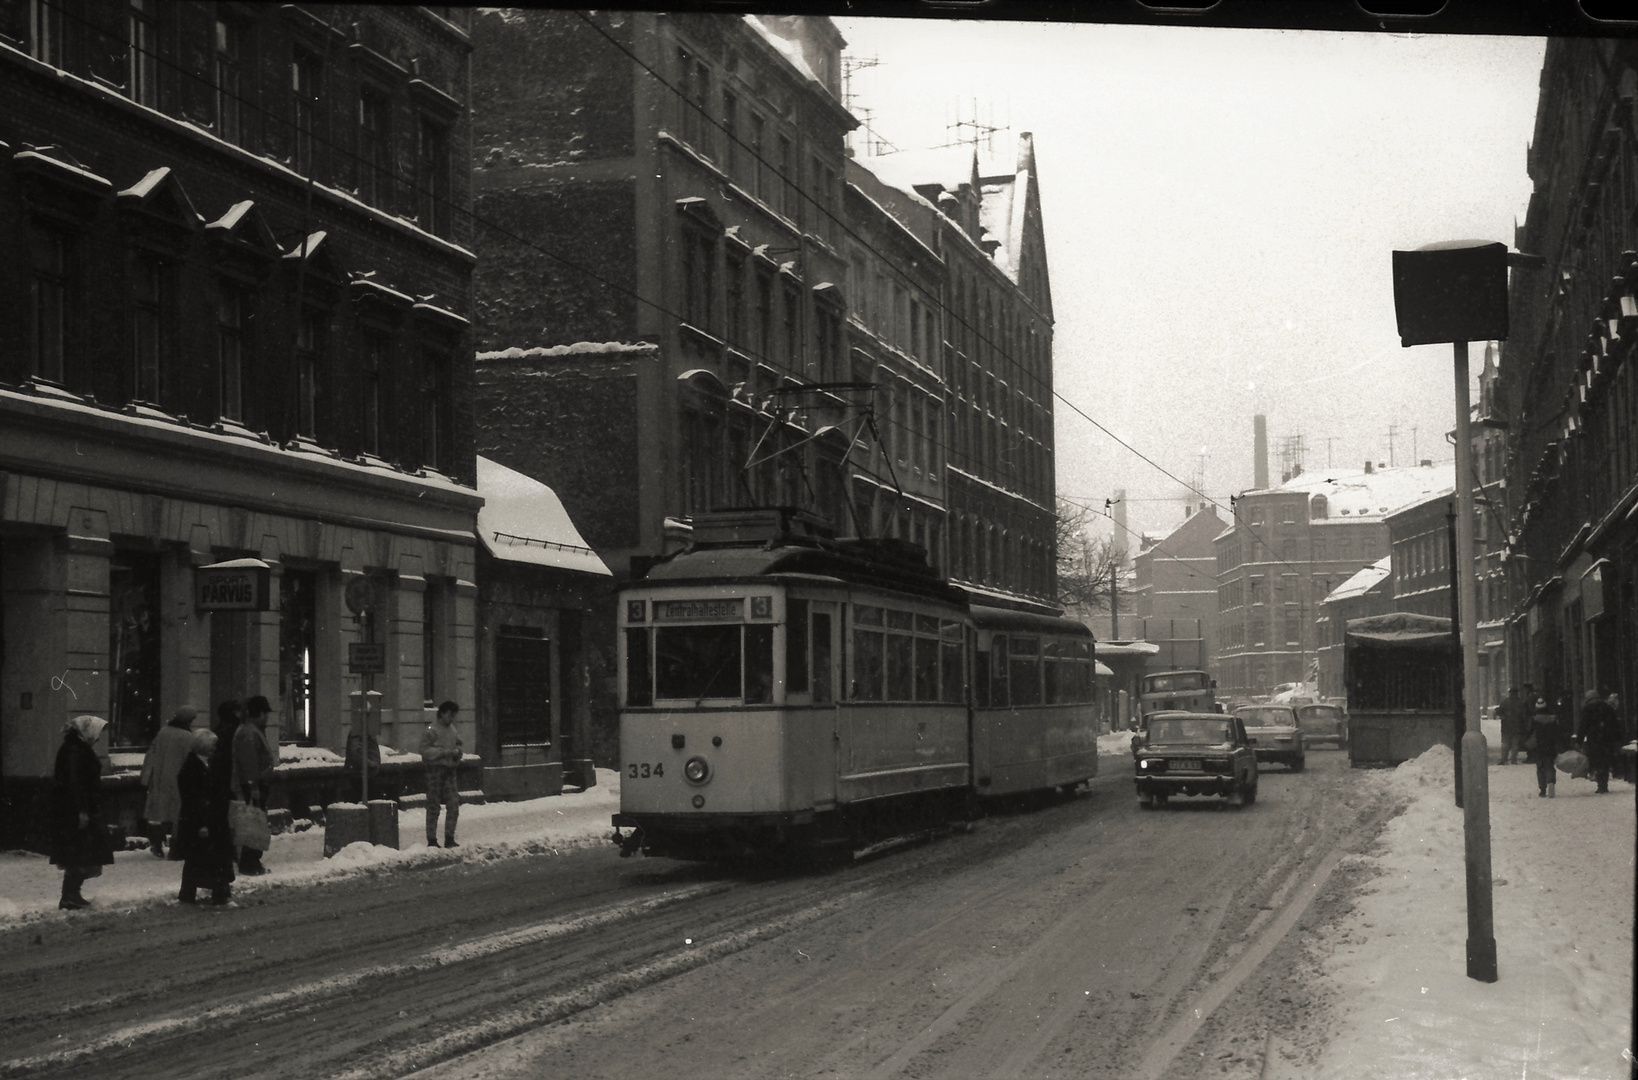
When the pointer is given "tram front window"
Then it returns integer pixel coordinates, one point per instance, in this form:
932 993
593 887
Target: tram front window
697 661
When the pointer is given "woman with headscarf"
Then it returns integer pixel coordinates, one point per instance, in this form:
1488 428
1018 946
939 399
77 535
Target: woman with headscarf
79 840
203 835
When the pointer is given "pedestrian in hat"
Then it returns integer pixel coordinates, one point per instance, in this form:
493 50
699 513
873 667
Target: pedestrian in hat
79 840
1514 713
1544 733
1600 738
203 837
160 765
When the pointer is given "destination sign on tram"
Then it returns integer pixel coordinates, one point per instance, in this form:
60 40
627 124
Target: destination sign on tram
680 610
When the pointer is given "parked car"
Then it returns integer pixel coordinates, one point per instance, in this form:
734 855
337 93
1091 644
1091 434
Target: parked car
1275 733
1323 724
1186 753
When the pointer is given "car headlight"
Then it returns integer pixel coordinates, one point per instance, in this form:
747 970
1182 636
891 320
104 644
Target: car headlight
696 770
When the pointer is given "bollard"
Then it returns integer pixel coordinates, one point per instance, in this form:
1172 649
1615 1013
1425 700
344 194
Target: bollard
384 822
1481 923
344 823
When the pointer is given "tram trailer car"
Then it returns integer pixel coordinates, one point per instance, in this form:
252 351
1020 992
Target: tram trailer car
785 689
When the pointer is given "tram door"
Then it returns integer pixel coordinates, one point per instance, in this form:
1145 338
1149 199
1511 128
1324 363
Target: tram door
824 669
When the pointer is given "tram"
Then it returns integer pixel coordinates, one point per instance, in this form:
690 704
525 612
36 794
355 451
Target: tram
782 688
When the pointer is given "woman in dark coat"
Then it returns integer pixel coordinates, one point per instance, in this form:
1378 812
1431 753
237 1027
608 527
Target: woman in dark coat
79 839
1548 742
203 835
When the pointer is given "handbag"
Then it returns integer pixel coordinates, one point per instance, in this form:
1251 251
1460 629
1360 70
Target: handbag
1573 762
249 824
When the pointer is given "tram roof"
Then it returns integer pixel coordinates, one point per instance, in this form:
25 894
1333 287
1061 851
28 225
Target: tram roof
853 563
991 618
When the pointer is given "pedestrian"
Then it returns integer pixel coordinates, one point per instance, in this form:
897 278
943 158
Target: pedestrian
229 715
79 840
253 765
1514 720
441 753
160 765
1600 738
204 838
1546 740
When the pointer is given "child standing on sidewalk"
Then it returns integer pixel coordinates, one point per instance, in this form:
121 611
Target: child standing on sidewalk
1545 733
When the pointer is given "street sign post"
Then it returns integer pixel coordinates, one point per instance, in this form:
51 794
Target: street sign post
366 657
1456 291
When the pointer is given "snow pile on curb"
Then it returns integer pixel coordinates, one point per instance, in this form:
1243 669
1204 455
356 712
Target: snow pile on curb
1563 899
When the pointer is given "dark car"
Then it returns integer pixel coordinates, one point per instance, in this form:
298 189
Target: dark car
1323 724
1181 753
1275 733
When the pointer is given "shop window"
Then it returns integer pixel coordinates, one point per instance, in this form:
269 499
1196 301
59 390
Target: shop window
298 643
523 686
133 648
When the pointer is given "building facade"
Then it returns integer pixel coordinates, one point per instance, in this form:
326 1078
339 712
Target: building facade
1419 548
1287 549
1367 592
683 269
1175 593
1567 387
236 331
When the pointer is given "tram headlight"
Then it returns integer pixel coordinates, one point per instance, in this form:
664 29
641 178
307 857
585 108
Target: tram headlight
696 770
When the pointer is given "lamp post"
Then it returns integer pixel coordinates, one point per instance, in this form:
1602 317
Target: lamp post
1457 292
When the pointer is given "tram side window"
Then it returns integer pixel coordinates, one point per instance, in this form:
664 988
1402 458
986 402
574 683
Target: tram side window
981 680
821 658
950 639
867 654
1067 667
796 646
758 665
697 661
927 642
998 672
900 657
639 675
1024 670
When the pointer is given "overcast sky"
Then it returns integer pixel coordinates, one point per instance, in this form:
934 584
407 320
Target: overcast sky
1220 209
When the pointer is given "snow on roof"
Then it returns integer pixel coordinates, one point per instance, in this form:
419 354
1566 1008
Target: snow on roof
947 166
523 520
579 348
1362 582
790 50
1368 495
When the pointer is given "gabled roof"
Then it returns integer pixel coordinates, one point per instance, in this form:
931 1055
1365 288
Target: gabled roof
160 193
1361 582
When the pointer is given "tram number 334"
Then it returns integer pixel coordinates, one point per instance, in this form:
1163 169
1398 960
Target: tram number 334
644 770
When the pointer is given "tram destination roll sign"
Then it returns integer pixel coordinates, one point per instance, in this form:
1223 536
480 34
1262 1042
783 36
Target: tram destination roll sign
238 585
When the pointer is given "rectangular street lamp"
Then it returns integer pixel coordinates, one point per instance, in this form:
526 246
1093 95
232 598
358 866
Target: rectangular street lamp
1456 291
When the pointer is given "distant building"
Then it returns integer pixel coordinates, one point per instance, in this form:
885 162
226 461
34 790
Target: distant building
1174 598
1419 550
1288 547
1368 592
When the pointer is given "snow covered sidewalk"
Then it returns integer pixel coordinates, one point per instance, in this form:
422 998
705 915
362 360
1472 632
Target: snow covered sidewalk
1563 896
30 886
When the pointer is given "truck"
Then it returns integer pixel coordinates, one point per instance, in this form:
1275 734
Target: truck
1171 691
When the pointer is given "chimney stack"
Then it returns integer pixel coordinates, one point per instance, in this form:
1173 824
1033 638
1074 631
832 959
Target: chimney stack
1259 451
1370 467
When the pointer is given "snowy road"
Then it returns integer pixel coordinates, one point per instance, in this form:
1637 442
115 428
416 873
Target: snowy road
1074 940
